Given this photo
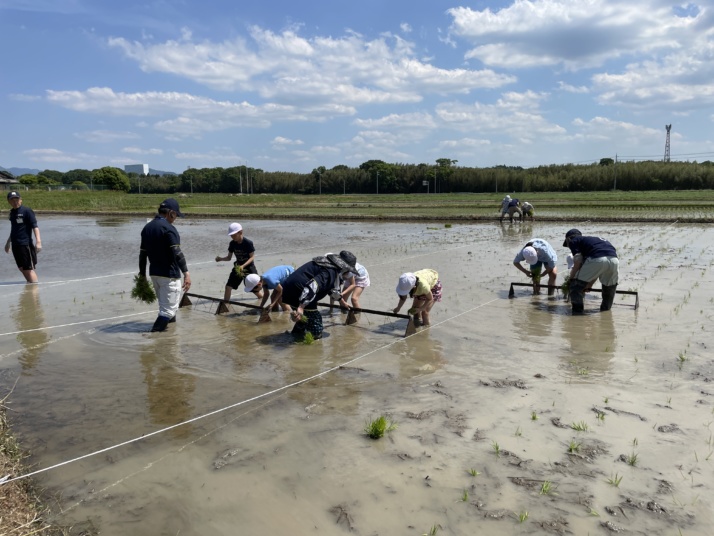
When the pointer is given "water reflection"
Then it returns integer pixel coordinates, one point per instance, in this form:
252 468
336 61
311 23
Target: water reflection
418 355
168 389
592 343
28 316
112 221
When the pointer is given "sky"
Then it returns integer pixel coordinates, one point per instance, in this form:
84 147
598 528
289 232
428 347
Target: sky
289 85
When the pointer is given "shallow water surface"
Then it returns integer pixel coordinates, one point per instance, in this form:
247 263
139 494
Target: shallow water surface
232 428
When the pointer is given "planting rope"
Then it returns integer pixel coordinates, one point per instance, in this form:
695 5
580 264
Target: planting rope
77 323
237 404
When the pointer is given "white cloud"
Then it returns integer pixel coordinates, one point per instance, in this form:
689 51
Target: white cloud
140 151
24 98
54 156
572 89
405 27
574 34
105 136
212 158
279 140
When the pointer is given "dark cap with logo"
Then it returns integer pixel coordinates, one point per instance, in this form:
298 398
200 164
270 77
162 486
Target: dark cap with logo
569 234
13 195
171 204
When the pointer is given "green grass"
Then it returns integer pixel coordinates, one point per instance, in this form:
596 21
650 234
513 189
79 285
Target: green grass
614 480
376 428
554 206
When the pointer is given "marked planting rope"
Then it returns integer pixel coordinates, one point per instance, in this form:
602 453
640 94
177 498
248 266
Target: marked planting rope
77 323
237 404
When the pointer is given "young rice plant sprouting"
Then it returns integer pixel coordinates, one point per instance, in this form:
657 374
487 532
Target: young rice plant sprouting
376 428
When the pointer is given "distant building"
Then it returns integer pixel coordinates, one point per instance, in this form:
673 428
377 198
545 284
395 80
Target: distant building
7 177
139 169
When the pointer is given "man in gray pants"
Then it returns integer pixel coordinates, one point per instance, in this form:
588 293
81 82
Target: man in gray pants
595 259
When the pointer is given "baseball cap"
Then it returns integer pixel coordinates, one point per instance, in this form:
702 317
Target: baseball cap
251 281
13 195
171 204
530 255
406 283
234 228
572 232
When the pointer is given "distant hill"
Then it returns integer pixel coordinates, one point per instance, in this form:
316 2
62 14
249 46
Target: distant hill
159 172
18 171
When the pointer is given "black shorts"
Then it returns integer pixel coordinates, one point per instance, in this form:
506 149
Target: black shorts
234 280
25 256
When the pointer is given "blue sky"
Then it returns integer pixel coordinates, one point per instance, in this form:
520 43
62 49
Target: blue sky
289 86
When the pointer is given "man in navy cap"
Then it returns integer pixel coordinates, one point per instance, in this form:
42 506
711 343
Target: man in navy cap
23 225
161 245
594 258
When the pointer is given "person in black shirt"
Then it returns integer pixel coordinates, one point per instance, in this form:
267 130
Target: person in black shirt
23 224
594 258
161 245
311 282
244 263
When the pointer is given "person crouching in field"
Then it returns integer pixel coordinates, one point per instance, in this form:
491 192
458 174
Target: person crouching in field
354 285
540 255
594 258
425 287
528 210
270 280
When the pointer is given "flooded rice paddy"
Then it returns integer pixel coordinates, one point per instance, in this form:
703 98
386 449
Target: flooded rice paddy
513 417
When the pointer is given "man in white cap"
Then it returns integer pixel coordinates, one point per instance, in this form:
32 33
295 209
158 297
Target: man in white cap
23 224
270 280
243 265
504 205
425 287
542 258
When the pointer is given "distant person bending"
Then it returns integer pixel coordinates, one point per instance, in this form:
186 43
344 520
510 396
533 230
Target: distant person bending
23 224
161 246
504 206
425 288
528 210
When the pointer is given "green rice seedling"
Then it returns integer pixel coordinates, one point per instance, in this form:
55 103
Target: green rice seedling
546 487
376 428
143 290
465 496
594 513
521 516
581 426
635 442
308 338
600 416
565 287
632 459
447 225
606 400
518 432
574 446
614 480
496 449
434 529
474 472
682 356
534 416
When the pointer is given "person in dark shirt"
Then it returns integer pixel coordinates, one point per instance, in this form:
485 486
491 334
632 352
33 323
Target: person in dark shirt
161 245
594 258
23 224
513 208
244 263
311 282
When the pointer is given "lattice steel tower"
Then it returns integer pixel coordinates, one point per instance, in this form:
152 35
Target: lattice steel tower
666 145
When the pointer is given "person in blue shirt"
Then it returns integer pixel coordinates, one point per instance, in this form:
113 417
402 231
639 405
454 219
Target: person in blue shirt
23 224
161 246
594 258
270 280
540 255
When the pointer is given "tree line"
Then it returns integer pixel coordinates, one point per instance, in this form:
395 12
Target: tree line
377 176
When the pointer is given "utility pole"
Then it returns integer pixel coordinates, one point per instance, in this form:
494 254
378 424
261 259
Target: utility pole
666 145
614 167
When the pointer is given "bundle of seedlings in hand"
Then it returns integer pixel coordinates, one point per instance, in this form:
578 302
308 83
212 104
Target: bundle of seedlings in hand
565 287
536 274
238 269
143 290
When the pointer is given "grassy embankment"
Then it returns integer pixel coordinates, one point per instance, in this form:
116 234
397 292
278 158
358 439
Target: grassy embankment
662 206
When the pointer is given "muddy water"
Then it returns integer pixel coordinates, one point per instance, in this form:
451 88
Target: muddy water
289 456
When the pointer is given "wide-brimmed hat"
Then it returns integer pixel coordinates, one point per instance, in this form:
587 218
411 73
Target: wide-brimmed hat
569 234
171 204
251 280
407 281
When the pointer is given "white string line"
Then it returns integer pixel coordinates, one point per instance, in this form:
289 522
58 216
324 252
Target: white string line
47 343
76 323
149 465
237 404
